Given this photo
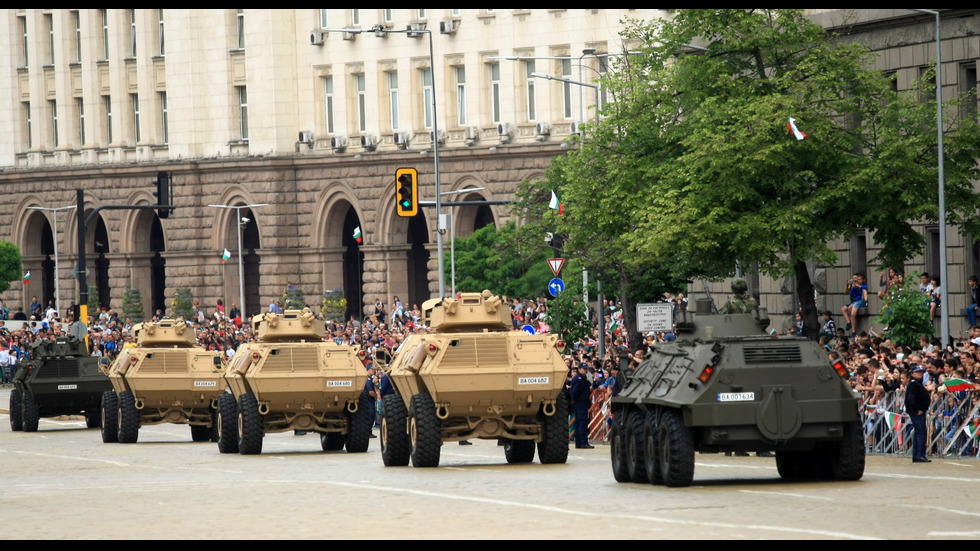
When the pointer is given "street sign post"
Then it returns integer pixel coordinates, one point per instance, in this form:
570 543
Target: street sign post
556 286
556 265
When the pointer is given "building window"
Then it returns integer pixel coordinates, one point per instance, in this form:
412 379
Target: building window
566 88
361 103
105 35
355 17
136 118
27 121
163 49
603 63
495 92
968 85
461 95
420 15
49 21
54 122
132 33
164 118
243 111
328 102
80 106
859 253
529 70
393 99
389 16
76 17
241 29
324 20
427 94
107 109
23 26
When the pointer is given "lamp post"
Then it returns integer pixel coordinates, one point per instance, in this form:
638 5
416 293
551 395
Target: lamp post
57 284
943 266
380 30
239 222
452 232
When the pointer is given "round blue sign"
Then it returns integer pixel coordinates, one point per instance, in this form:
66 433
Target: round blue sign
528 329
556 286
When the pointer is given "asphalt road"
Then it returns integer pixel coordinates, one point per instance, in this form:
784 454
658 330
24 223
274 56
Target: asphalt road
64 483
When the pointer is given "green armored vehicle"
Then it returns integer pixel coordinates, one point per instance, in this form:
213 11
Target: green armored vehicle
165 379
726 385
473 376
59 379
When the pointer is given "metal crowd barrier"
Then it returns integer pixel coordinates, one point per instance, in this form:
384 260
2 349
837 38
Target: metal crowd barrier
948 421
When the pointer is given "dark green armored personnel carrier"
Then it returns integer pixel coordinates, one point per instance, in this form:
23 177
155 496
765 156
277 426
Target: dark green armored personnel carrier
60 378
726 385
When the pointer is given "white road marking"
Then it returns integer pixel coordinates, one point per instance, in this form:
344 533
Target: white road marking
784 494
940 509
69 458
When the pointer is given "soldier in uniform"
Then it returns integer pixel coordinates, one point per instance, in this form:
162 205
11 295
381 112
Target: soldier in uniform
740 303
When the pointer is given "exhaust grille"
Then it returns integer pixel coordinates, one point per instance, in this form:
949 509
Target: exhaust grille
469 352
164 361
59 369
771 354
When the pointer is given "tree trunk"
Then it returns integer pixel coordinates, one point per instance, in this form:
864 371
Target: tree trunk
805 296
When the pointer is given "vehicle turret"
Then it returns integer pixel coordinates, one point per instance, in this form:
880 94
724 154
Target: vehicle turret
467 312
166 332
290 326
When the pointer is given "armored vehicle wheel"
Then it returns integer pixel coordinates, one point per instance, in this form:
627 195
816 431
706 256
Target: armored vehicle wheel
110 417
16 411
651 446
676 450
200 433
554 448
213 430
847 459
250 428
395 445
360 425
93 420
636 447
31 416
129 419
518 451
227 423
425 430
791 464
332 441
617 449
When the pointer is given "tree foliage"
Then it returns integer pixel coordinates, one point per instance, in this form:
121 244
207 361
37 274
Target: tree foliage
906 314
10 265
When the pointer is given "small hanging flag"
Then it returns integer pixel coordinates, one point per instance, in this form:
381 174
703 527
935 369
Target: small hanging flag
893 420
958 385
971 431
226 256
27 278
800 136
556 204
358 236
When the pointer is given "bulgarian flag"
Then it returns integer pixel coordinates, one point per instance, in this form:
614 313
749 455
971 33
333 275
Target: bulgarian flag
894 421
957 385
357 235
555 204
800 136
27 278
971 431
226 256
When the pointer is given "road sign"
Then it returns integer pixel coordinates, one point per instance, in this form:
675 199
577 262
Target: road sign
556 265
556 286
655 317
528 329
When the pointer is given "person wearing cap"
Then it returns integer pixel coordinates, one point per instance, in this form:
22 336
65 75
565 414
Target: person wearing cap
917 402
581 399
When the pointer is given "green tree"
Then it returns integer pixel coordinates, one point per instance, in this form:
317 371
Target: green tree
497 260
183 304
132 306
566 318
906 314
10 265
693 165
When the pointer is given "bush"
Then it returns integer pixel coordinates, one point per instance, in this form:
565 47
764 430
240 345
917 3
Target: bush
182 305
905 313
132 306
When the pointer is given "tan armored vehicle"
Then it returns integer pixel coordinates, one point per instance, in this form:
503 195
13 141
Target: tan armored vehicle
165 378
292 380
475 377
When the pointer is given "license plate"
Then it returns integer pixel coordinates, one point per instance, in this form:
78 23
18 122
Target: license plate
737 397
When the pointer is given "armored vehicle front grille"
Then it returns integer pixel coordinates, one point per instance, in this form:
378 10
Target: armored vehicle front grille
292 359
59 369
770 354
164 362
468 352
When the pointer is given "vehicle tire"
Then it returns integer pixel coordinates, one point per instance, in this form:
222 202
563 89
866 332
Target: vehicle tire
790 464
200 433
16 411
31 416
395 444
359 425
129 419
553 449
227 423
617 448
651 439
518 451
426 432
332 441
110 417
676 450
93 420
250 428
636 447
847 458
213 429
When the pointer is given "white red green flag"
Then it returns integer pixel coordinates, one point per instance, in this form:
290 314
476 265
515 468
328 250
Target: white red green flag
226 256
555 204
796 131
957 385
357 235
27 278
971 431
894 421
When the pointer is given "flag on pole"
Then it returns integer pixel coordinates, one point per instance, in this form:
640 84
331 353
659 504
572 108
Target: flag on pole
957 385
226 256
357 235
795 131
971 431
894 421
27 278
555 204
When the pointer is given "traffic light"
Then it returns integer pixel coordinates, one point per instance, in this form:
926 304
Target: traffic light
407 192
162 193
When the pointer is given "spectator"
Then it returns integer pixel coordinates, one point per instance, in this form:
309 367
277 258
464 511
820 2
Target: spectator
971 310
937 298
857 289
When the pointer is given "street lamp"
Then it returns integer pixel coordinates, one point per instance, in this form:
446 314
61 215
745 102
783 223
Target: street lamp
452 231
380 30
240 222
57 284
